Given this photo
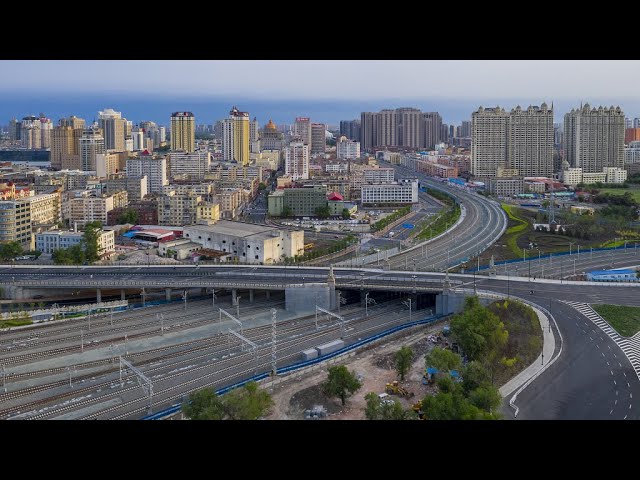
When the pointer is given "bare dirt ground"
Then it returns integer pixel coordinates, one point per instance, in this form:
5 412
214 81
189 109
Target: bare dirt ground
374 366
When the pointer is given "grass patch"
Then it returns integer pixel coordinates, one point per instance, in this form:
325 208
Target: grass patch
439 225
515 231
625 320
635 192
16 322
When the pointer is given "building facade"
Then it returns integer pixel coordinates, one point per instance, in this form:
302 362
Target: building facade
530 141
347 149
91 145
489 141
48 242
154 168
296 160
236 134
594 138
195 164
390 193
183 131
318 138
113 129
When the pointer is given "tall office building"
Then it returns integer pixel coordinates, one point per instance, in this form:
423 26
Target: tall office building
318 139
296 161
489 141
530 141
594 138
14 130
183 131
350 129
113 129
271 138
91 145
368 122
254 136
235 137
65 139
302 129
465 129
636 123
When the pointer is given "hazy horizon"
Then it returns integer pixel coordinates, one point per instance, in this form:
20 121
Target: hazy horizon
209 109
325 90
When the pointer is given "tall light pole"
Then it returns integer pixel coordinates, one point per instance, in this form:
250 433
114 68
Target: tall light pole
184 297
570 244
213 297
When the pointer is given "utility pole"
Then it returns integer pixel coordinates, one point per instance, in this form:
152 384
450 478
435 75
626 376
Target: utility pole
274 366
82 340
184 297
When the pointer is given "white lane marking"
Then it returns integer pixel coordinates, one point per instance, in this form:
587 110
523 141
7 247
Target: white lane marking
625 417
614 382
629 406
603 354
611 412
616 402
619 364
597 345
611 372
608 364
591 339
609 347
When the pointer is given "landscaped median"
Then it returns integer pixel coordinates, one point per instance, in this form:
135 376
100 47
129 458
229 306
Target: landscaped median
444 220
513 232
625 320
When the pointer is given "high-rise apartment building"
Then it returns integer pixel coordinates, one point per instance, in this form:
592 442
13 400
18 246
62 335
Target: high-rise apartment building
113 129
409 131
405 127
46 126
30 132
465 129
489 141
236 133
594 138
65 140
183 131
155 168
296 162
91 144
631 135
254 136
347 149
302 129
15 222
530 141
318 139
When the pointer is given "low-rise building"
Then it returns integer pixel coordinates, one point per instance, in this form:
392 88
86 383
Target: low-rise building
248 243
48 242
622 275
505 187
136 187
390 193
346 149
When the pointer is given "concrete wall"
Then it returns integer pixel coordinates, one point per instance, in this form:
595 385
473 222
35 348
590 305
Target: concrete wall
302 298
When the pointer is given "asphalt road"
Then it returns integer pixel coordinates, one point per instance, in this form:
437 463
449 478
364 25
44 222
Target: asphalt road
483 224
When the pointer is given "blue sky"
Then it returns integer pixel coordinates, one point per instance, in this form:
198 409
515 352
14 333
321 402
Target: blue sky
328 90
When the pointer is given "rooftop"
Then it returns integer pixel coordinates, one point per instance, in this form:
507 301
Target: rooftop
236 229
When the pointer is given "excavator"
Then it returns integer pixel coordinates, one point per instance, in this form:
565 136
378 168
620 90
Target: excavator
417 407
395 388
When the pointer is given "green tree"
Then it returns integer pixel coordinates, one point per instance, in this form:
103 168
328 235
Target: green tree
287 212
474 375
62 256
486 398
204 404
128 216
90 241
346 214
403 358
376 410
443 360
247 403
262 186
323 212
10 250
341 383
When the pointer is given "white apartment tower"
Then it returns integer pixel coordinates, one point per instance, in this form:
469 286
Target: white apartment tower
594 138
155 168
530 141
297 160
489 141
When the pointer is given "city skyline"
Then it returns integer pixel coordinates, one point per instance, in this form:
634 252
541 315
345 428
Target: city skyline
284 90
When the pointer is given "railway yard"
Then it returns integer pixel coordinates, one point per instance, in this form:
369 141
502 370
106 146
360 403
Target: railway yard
125 365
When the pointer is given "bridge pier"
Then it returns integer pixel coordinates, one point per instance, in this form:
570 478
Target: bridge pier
123 295
251 295
234 296
167 294
268 292
98 295
363 299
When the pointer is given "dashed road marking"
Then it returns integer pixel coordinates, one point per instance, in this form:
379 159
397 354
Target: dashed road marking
629 346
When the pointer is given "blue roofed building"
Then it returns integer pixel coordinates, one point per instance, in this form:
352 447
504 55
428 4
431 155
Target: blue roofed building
621 275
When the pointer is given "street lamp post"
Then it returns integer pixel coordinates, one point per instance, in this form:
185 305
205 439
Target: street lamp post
574 268
213 297
570 245
184 297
